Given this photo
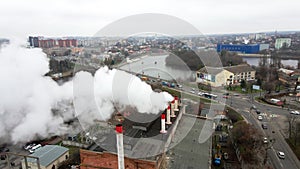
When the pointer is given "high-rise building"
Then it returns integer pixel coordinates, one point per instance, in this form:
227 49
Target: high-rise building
280 42
50 43
33 41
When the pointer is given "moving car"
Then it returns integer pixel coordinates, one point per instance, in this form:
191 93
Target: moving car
253 107
264 126
281 154
295 112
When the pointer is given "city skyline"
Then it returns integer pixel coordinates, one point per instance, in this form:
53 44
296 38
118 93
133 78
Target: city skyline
78 18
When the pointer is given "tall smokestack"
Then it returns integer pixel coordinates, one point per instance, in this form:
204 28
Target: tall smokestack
163 124
172 109
120 148
169 115
176 104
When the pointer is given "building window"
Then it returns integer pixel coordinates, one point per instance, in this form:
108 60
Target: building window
67 157
53 167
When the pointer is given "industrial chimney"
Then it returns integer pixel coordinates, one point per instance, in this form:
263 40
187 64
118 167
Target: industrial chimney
163 124
172 109
120 148
169 115
176 104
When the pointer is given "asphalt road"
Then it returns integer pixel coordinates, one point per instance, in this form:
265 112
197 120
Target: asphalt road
243 103
274 132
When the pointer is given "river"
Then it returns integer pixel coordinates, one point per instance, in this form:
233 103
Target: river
255 61
156 66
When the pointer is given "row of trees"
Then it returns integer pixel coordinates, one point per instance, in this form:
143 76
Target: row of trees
249 141
200 58
294 128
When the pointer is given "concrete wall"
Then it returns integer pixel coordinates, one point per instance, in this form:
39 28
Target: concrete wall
58 161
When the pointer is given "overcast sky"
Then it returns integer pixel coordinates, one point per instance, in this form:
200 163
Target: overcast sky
20 18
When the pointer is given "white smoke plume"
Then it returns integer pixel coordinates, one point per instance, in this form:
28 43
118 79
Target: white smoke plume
99 96
27 96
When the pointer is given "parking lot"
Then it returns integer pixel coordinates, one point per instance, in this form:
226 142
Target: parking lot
15 161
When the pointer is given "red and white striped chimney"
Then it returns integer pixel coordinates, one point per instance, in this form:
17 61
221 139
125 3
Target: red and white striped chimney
176 104
120 148
169 115
163 124
172 109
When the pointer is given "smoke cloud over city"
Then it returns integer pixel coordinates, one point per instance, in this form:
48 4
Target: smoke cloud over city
28 97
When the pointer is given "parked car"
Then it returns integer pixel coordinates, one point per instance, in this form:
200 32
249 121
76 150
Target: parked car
265 140
164 83
258 111
225 97
29 146
281 154
32 150
259 117
179 85
3 150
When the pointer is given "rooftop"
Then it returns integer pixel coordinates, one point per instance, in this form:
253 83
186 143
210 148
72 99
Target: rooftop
211 70
239 68
48 154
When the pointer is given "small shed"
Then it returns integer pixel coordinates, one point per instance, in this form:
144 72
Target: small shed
50 157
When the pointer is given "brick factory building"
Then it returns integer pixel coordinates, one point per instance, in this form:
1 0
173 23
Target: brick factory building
107 160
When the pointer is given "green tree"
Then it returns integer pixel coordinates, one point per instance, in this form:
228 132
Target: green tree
243 83
248 139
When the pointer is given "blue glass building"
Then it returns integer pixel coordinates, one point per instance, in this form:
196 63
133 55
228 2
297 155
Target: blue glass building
244 48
